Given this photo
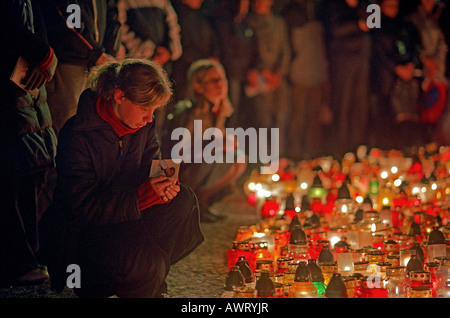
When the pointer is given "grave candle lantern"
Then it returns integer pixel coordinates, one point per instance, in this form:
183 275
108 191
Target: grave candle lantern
241 248
345 263
302 286
436 244
432 267
396 282
264 286
405 256
336 287
269 208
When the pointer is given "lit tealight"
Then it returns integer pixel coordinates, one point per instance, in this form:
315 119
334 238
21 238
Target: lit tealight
334 240
394 169
275 177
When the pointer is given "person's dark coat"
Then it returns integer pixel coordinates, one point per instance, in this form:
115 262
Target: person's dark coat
98 32
342 32
396 43
26 134
98 179
27 139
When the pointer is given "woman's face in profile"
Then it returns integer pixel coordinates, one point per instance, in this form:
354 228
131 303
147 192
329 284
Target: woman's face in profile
213 86
132 115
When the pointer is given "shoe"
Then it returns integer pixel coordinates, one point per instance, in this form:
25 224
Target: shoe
216 213
221 194
34 277
164 293
208 217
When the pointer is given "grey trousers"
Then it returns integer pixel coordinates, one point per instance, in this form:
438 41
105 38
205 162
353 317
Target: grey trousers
63 92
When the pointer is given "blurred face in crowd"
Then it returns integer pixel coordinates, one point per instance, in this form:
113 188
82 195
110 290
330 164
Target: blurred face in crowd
390 8
131 114
193 4
262 7
212 85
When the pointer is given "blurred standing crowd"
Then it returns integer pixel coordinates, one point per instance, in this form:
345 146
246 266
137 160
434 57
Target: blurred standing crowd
312 68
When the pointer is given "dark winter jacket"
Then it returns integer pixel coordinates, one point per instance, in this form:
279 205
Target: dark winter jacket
397 42
99 173
198 41
342 32
98 179
28 142
197 35
99 31
148 24
238 47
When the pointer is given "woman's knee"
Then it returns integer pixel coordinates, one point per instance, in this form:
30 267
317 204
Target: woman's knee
186 196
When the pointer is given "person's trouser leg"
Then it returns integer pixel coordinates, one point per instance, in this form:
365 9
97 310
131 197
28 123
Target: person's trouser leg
63 93
133 259
175 226
121 259
18 225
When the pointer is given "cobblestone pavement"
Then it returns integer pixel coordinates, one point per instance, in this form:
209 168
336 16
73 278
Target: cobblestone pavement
200 275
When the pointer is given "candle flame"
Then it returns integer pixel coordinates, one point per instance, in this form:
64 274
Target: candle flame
406 260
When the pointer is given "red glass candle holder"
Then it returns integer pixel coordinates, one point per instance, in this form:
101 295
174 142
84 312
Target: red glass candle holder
368 287
244 233
264 265
269 209
432 267
241 248
391 247
281 238
420 278
378 242
283 264
261 250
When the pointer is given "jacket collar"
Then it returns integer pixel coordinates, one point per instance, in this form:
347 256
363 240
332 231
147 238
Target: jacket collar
87 118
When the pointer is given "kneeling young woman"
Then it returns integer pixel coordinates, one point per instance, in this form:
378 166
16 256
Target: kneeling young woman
122 228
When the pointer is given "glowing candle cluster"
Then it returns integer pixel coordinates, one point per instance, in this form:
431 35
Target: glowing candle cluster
373 225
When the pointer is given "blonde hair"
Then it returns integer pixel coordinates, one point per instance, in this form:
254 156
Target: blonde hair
144 82
196 73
